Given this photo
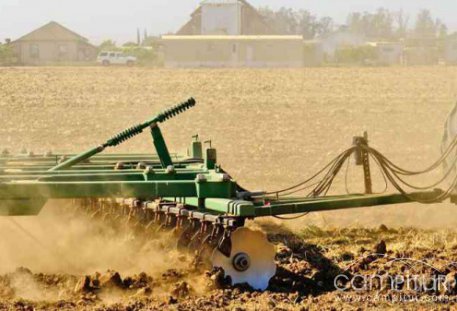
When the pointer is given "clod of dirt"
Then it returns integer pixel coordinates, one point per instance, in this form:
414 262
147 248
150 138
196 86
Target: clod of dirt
172 300
347 256
217 279
181 290
83 285
111 279
283 251
143 292
172 275
141 280
383 228
87 298
244 287
381 248
23 306
272 303
22 270
65 305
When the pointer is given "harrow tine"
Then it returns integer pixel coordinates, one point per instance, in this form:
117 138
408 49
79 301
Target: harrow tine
186 236
195 242
225 244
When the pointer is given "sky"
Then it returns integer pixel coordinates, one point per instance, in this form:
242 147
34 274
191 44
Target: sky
118 20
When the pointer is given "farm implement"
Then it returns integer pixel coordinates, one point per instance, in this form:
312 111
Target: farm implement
193 196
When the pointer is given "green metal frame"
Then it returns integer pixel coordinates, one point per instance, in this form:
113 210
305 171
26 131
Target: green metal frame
28 181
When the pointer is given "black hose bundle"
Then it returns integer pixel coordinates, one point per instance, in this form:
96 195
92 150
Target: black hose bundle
390 172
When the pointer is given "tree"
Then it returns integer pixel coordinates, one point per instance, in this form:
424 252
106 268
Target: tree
378 25
442 29
138 38
401 24
129 44
288 21
324 26
151 41
425 28
108 45
146 56
382 24
307 25
145 35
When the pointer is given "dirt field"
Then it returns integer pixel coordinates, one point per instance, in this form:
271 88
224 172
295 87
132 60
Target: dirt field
272 128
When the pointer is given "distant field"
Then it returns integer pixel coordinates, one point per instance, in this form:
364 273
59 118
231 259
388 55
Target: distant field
271 127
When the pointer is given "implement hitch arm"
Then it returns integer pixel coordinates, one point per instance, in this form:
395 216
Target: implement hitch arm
131 132
242 208
341 202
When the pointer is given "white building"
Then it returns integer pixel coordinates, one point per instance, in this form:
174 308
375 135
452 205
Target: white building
221 17
388 53
225 17
233 51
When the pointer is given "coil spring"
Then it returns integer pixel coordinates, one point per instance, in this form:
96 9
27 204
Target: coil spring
124 135
161 117
175 110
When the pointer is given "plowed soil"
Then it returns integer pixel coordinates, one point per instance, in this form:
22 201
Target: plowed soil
272 128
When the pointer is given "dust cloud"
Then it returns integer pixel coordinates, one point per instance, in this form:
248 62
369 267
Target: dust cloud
59 241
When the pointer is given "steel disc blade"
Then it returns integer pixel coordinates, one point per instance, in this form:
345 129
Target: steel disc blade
260 254
184 238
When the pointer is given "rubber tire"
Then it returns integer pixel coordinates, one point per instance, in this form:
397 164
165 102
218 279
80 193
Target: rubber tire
105 63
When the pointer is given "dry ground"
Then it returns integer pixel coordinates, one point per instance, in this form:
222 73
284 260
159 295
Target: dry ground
271 128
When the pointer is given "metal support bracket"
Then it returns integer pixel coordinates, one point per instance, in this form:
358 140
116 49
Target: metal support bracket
161 146
363 159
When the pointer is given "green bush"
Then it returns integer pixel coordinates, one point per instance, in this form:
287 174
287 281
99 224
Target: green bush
108 45
6 55
356 55
146 56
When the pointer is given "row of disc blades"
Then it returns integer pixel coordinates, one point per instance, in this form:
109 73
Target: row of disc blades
245 255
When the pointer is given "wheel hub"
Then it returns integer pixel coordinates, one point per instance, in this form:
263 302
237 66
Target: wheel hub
251 259
241 262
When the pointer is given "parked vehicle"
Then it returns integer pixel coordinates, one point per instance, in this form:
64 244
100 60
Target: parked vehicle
115 58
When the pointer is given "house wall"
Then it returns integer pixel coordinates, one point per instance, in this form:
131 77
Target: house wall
236 18
421 55
312 54
46 52
450 52
390 53
221 19
232 53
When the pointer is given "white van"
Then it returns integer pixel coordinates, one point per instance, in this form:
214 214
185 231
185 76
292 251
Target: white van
107 58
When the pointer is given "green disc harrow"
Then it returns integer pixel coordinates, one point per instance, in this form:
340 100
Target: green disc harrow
193 195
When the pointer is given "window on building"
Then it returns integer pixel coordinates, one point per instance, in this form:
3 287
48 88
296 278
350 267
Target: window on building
34 51
112 54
